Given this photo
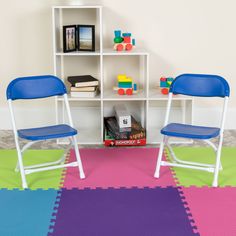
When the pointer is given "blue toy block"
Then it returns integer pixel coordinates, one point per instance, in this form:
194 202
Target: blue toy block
124 85
133 42
163 84
135 87
126 34
117 33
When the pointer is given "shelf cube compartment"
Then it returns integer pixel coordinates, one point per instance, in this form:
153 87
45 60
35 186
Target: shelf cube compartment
86 118
131 67
86 65
137 110
64 16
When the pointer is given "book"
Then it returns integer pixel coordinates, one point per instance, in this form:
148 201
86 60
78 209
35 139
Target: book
83 89
110 141
83 81
112 127
90 94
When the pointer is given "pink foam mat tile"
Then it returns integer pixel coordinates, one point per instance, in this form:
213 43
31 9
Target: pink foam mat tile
213 210
118 167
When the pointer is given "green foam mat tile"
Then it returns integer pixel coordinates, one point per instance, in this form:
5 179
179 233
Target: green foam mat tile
189 177
10 179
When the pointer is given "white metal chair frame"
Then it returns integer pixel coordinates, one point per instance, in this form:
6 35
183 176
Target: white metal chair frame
25 170
187 164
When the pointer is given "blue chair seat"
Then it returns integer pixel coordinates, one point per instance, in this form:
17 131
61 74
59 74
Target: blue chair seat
190 131
48 132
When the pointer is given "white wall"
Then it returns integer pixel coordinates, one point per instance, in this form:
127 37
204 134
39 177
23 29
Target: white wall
181 36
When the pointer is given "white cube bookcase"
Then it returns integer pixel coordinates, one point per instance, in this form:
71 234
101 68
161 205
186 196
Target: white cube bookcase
147 106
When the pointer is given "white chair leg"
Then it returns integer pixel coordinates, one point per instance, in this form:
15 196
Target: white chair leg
21 167
218 163
81 171
158 166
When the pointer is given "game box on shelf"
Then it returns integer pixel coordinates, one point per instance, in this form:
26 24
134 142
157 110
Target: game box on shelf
113 136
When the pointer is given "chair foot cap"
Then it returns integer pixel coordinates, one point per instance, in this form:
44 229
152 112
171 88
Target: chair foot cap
82 175
215 185
24 186
157 175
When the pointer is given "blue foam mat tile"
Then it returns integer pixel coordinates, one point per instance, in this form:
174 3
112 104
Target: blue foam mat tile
26 212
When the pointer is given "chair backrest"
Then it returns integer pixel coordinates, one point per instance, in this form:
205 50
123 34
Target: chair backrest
33 87
200 85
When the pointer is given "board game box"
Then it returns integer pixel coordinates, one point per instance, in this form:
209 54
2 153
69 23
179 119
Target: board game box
113 136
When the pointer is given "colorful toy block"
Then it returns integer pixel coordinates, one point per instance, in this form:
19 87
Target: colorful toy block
124 78
124 42
118 40
117 33
119 47
165 91
125 85
165 83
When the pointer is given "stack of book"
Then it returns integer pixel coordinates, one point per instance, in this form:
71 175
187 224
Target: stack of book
83 86
113 137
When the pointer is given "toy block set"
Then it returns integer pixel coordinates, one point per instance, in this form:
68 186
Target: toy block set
125 85
165 83
122 129
123 42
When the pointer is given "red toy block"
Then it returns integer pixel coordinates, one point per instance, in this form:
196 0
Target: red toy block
163 79
121 91
119 47
128 47
165 91
129 91
127 39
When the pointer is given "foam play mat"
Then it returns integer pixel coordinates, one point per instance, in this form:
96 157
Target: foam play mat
119 195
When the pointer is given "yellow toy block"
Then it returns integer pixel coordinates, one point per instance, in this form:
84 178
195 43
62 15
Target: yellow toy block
124 78
121 77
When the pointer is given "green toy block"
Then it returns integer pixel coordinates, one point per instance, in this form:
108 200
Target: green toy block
169 81
118 40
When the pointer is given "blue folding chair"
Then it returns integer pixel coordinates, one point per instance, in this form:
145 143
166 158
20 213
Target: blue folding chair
200 86
35 87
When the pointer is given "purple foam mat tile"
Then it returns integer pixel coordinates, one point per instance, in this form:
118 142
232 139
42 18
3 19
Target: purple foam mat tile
121 212
187 209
